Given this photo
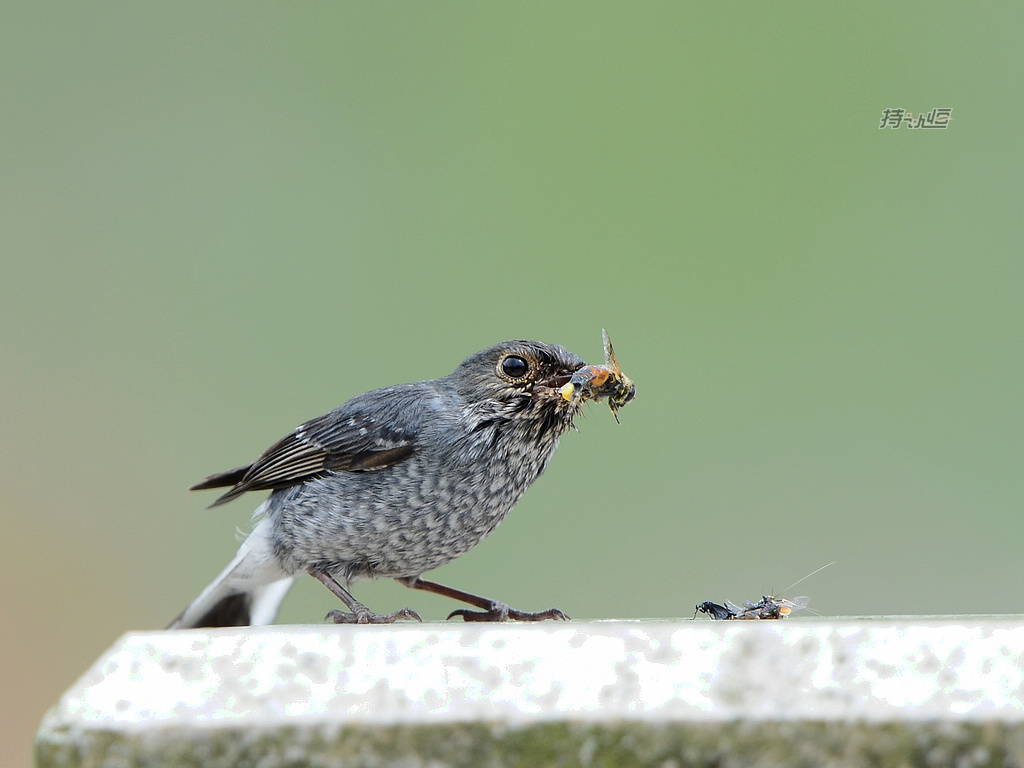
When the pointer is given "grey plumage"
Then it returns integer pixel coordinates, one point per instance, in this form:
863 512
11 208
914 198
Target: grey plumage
394 483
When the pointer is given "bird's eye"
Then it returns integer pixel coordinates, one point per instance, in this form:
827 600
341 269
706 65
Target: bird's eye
514 367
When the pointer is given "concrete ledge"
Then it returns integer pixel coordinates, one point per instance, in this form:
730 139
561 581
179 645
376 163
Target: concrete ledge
794 692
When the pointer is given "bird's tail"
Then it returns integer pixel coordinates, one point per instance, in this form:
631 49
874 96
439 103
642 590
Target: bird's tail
246 593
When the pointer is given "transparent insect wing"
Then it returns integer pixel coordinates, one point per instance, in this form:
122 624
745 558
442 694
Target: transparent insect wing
609 353
796 604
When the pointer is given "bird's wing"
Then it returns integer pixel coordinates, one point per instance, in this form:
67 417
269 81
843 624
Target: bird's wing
363 434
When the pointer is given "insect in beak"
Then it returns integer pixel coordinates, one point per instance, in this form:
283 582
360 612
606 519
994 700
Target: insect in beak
596 382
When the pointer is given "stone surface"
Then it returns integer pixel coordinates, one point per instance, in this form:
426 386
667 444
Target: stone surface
793 692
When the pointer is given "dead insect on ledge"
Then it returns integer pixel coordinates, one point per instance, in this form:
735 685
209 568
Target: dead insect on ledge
767 608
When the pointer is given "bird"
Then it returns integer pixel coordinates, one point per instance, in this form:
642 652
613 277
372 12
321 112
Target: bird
395 483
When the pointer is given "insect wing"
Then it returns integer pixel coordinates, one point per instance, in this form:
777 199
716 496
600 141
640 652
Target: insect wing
796 604
609 353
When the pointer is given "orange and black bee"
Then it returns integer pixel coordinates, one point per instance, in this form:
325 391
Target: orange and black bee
595 382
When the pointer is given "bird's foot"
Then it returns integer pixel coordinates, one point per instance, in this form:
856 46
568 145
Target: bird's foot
366 616
502 612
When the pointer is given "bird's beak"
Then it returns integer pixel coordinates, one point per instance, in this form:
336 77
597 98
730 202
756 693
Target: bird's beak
552 386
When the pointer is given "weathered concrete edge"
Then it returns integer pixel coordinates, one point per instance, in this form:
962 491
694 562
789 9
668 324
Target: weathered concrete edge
700 672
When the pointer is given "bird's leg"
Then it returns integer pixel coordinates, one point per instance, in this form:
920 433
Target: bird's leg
492 610
360 614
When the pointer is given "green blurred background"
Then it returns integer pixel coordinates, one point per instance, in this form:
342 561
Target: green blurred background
221 220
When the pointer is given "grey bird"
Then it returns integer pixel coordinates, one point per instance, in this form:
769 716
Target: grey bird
394 483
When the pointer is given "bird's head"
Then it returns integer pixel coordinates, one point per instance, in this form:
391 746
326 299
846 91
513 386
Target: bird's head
520 379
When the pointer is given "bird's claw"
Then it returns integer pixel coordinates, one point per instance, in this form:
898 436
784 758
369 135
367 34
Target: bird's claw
367 616
502 612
